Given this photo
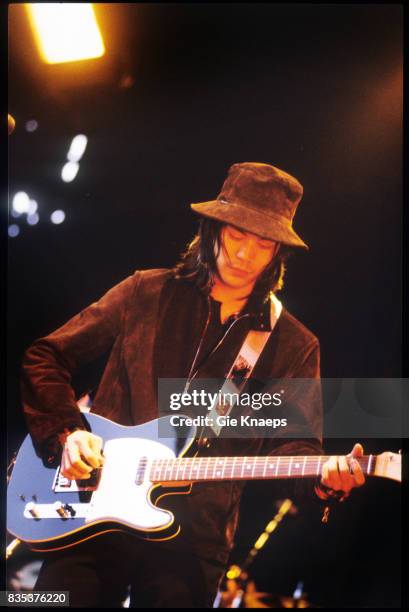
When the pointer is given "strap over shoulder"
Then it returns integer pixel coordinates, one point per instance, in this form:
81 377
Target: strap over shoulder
276 308
246 360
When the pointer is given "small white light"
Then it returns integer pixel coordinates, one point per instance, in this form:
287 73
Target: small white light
21 202
31 125
15 214
33 219
77 148
69 171
57 217
32 208
13 230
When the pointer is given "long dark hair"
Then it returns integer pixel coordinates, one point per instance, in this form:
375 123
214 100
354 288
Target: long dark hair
198 264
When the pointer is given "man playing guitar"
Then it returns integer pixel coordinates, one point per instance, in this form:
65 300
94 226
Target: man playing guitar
180 323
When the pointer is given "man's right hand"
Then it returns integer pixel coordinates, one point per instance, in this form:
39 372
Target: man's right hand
81 454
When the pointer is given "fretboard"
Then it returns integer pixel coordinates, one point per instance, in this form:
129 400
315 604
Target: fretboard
244 468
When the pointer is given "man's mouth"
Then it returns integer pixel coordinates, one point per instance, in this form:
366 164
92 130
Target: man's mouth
239 271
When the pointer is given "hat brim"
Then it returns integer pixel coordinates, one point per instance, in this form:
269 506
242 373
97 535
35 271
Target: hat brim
250 220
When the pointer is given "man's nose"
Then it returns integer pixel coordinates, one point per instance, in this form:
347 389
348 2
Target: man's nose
246 251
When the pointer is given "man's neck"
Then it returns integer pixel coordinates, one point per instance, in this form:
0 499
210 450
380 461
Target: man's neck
232 299
223 293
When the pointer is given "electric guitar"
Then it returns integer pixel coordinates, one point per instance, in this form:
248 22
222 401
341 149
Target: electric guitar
50 512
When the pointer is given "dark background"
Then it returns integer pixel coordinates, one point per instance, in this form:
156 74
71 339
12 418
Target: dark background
183 92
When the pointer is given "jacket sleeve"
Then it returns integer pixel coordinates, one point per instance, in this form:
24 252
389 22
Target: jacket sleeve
305 415
48 399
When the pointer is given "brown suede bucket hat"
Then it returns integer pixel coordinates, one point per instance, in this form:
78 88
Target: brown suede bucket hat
258 198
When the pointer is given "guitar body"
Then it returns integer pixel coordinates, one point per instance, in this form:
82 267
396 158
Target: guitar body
49 512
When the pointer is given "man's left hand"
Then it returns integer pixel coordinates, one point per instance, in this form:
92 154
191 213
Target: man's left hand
343 473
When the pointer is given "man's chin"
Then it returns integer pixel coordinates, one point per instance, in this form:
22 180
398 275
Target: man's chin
236 281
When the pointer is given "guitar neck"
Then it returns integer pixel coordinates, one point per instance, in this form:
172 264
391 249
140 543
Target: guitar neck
245 468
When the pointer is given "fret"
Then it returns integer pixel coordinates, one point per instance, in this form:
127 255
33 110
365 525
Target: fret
278 463
243 464
156 476
254 466
289 467
178 466
217 465
207 466
184 466
171 469
232 467
368 471
303 465
266 460
195 467
220 472
161 462
214 469
224 467
319 466
168 467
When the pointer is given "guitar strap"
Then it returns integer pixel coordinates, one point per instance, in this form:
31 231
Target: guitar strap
245 363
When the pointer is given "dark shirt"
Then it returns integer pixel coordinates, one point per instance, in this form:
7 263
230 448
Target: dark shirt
154 326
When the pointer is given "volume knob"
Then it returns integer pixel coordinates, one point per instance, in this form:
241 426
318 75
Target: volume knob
59 508
31 507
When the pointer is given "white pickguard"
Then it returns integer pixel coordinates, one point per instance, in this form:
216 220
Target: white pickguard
118 496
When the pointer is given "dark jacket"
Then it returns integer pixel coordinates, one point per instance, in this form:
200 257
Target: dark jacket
150 323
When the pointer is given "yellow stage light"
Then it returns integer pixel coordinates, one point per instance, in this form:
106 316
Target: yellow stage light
261 541
233 572
271 526
66 32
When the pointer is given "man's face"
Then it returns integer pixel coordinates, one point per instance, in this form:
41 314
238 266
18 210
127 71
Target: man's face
243 257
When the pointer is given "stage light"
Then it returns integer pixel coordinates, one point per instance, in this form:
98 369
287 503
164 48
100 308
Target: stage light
13 230
272 525
33 219
233 572
77 148
21 202
261 541
31 125
69 171
285 506
66 32
57 217
11 123
32 207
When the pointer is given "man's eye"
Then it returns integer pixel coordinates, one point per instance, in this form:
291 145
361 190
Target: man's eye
265 245
236 234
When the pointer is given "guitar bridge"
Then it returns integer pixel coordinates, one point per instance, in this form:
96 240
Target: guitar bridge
65 485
